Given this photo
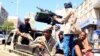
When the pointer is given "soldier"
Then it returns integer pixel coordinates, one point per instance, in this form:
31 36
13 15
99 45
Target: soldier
45 42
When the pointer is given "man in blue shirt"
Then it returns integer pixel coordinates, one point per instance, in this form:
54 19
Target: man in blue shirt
59 45
24 31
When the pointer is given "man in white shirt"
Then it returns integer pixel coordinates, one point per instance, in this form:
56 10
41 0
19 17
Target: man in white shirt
55 32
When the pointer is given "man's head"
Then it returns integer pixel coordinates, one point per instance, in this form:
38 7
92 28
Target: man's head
26 20
60 35
82 35
47 31
68 5
57 27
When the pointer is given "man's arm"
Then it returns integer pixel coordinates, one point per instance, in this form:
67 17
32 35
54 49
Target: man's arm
58 19
65 17
77 50
68 13
38 42
18 30
86 44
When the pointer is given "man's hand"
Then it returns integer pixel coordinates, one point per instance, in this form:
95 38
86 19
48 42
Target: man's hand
54 17
58 19
40 45
84 51
23 35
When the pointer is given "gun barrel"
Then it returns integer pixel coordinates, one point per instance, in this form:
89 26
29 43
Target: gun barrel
40 9
59 16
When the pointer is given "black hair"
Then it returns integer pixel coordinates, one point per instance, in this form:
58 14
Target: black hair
48 30
68 5
61 32
83 32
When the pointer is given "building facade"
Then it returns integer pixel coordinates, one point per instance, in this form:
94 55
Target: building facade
89 15
3 14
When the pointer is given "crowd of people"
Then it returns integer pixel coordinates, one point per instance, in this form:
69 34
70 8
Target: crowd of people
65 40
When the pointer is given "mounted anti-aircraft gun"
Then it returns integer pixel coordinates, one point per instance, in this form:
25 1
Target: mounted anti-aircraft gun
46 16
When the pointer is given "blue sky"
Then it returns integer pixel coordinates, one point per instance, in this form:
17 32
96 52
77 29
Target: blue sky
25 6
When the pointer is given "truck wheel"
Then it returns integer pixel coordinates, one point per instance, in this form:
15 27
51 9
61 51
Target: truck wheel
3 41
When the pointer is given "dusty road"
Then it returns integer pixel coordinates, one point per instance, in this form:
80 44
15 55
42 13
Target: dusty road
4 52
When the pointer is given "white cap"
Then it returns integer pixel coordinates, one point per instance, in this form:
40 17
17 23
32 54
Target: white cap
27 17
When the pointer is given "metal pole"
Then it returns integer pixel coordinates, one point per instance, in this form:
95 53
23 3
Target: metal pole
17 7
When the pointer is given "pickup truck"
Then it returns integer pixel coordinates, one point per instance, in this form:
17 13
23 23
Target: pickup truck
12 45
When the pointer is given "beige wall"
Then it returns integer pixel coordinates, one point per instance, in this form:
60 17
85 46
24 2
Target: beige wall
89 9
86 10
